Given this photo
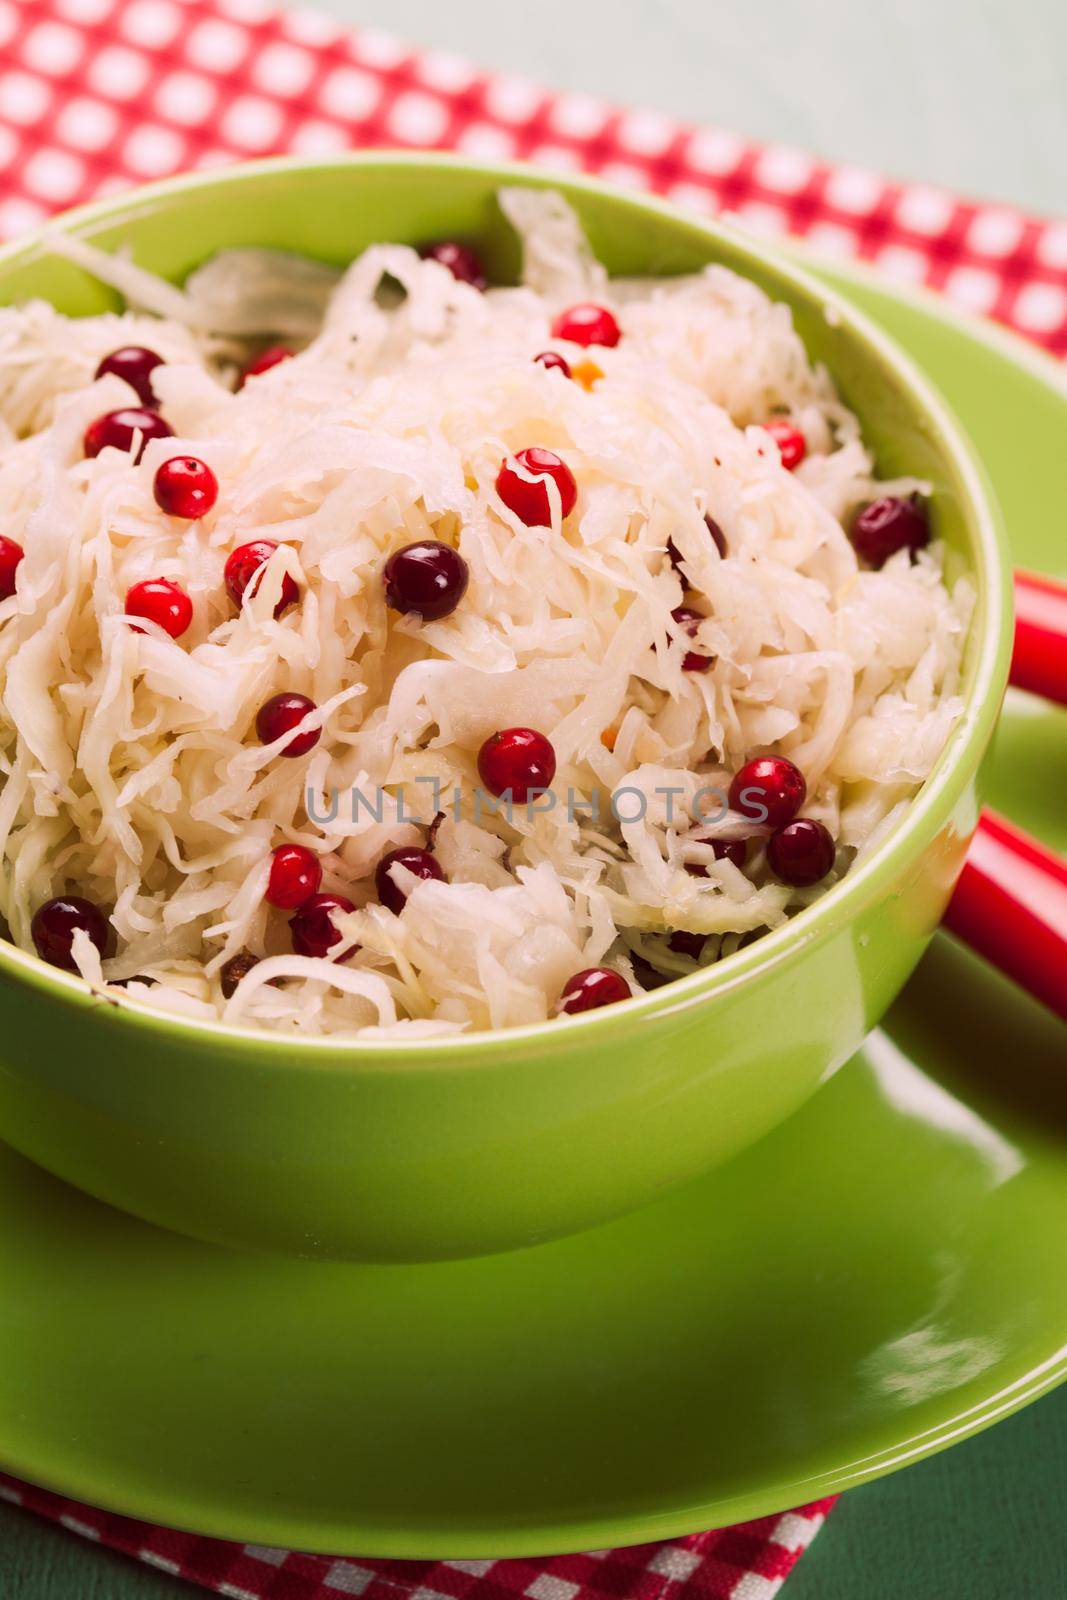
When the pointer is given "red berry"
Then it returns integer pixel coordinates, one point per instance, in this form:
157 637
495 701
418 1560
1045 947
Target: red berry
163 602
887 525
689 621
134 364
554 362
687 944
295 875
587 324
10 556
792 445
427 577
420 862
313 930
119 429
801 853
530 500
185 487
241 567
266 359
57 921
768 789
460 259
675 554
735 850
596 986
280 713
517 759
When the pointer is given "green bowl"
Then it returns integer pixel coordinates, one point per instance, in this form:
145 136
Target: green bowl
488 1142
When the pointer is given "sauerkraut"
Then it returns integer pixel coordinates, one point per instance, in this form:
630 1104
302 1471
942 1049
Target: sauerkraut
132 772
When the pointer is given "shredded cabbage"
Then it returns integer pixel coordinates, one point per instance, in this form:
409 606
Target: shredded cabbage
132 774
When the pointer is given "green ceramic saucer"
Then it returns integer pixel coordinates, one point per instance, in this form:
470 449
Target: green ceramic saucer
881 1276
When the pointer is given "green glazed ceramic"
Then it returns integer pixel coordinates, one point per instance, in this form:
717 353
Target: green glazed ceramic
881 1276
484 1143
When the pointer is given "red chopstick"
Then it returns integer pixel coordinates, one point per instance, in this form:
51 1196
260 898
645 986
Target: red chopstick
1039 661
1010 904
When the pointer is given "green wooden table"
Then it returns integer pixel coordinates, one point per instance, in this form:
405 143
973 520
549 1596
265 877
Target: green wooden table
963 93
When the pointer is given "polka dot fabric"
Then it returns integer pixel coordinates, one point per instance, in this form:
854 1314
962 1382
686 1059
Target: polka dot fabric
96 95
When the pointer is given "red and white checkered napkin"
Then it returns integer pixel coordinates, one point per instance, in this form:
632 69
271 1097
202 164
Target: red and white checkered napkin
748 1562
96 95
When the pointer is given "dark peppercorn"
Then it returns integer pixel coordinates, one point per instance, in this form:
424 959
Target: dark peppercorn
238 967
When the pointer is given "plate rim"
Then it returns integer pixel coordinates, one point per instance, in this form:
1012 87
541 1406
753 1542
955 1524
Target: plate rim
329 1538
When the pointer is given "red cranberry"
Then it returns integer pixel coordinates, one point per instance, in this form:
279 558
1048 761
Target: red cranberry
57 921
10 556
792 445
689 621
282 712
801 853
120 428
530 501
554 362
420 862
134 364
687 944
295 875
587 324
517 759
596 986
888 525
313 930
271 357
161 601
185 487
735 850
427 577
675 554
460 259
768 789
241 567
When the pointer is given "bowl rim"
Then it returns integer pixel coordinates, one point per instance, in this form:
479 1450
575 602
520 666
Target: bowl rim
992 628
